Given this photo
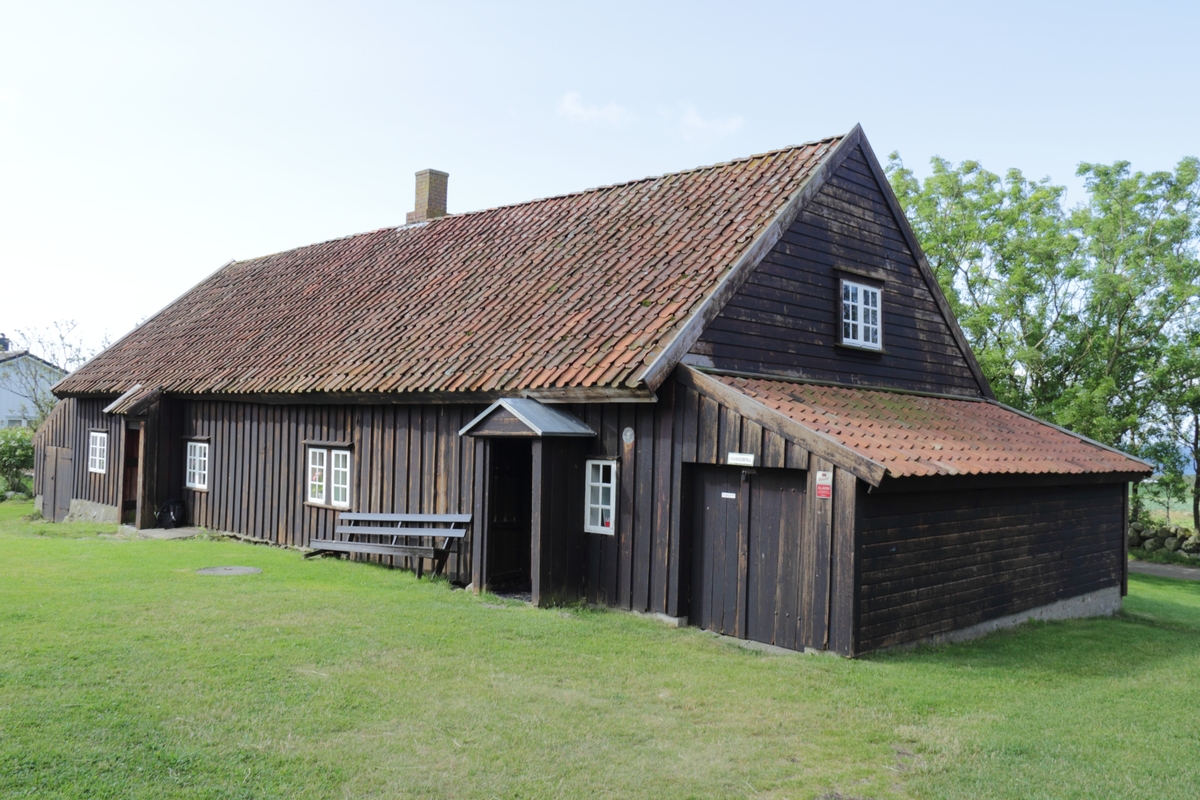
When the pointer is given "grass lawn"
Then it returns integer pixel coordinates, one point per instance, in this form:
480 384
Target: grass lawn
123 673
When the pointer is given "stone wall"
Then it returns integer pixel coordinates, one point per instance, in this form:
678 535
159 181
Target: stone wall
1150 537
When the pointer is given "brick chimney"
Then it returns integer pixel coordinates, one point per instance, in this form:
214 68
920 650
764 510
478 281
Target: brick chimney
431 196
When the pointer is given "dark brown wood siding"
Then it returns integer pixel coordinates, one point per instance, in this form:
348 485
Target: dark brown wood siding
68 426
783 321
646 564
405 459
933 562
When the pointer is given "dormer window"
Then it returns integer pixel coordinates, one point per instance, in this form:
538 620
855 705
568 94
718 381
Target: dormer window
861 315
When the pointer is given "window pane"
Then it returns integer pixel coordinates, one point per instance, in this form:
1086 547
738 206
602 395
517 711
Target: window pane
607 472
594 516
340 479
594 474
594 495
606 496
853 294
605 518
316 476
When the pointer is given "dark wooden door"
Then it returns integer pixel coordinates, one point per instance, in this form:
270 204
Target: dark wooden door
746 552
510 515
719 494
130 476
58 482
773 580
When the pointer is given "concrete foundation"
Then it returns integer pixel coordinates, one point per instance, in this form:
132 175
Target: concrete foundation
37 503
87 511
1103 603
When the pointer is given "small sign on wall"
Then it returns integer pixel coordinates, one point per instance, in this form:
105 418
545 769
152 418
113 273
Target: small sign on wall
824 485
740 459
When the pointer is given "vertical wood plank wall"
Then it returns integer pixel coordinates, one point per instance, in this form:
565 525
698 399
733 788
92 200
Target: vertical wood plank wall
405 459
410 458
68 426
645 564
783 321
938 561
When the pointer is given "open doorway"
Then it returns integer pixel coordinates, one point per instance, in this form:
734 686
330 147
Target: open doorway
510 516
129 475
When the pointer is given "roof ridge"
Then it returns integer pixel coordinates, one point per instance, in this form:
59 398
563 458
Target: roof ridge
534 201
609 186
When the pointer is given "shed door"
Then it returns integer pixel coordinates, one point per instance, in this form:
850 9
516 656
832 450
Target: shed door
746 556
58 482
719 495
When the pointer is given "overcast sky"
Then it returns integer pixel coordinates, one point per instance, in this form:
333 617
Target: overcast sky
142 146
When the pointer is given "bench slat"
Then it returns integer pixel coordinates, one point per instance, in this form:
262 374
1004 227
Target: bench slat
378 549
449 533
363 517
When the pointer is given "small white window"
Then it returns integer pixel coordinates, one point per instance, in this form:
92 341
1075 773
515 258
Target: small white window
329 477
601 502
97 452
197 465
860 315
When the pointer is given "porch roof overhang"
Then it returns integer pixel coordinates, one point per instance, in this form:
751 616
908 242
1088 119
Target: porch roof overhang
523 416
134 402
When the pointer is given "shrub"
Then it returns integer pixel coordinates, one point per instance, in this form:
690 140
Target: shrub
16 456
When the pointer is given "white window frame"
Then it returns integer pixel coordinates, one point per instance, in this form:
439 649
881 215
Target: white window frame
328 476
600 506
196 466
861 317
97 452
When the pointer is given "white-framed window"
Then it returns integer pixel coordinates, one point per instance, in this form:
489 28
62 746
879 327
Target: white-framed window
329 477
197 465
861 312
97 452
600 508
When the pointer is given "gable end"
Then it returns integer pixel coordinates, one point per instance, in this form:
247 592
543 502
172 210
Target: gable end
784 320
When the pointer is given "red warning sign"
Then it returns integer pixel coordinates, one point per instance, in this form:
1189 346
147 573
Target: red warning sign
824 485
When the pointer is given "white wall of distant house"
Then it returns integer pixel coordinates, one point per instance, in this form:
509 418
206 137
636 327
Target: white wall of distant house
15 409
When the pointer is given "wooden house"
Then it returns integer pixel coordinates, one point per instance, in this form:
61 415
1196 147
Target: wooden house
734 395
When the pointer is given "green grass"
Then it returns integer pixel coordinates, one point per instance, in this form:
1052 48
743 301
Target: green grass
1163 557
123 673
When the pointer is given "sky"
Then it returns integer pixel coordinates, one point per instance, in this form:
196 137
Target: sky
144 145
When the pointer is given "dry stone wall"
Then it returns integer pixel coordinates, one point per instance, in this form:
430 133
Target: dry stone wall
1150 537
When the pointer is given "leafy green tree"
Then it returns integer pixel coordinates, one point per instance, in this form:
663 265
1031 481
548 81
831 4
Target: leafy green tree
16 456
1003 251
1073 315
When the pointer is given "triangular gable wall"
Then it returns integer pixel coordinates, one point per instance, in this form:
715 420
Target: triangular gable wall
782 320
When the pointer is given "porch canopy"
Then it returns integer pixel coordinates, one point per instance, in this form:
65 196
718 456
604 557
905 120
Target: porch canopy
521 416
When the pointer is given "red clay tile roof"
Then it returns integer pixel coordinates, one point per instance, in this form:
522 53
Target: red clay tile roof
581 290
919 435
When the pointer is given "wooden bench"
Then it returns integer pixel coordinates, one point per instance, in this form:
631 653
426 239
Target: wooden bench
396 535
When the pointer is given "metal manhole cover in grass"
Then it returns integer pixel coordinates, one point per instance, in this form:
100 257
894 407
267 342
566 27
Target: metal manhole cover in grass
228 571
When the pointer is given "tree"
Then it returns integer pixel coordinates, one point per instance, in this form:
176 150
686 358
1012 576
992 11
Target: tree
31 378
1003 251
1071 315
16 456
1177 385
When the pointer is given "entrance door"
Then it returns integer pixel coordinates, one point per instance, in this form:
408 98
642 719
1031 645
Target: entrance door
746 552
510 516
129 476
